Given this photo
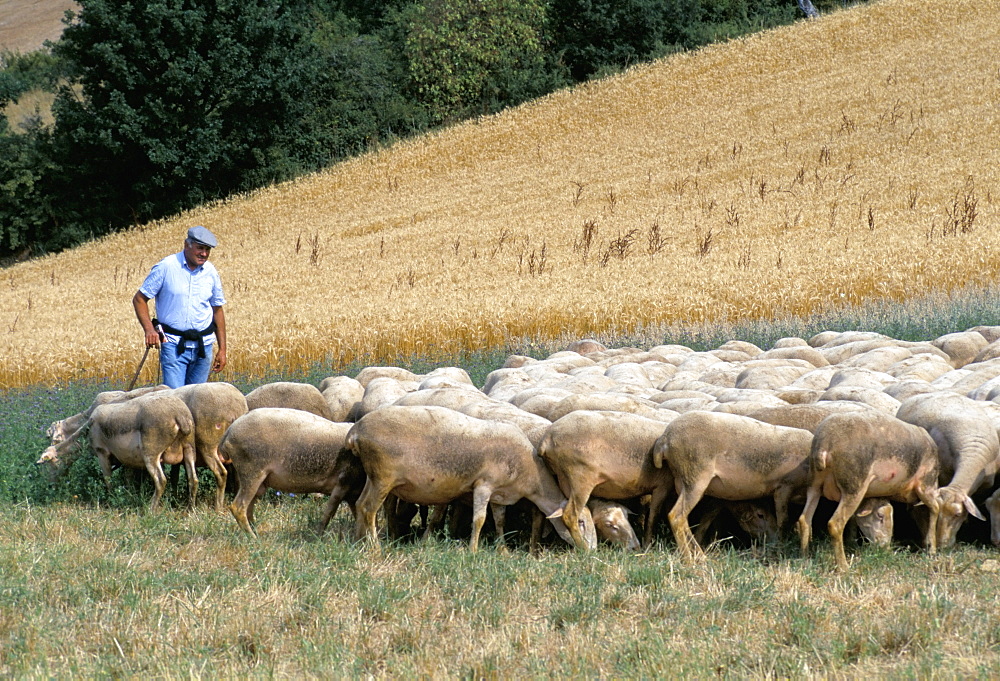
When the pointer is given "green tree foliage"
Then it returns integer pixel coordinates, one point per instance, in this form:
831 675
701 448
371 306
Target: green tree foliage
19 73
183 101
27 210
594 36
363 85
466 57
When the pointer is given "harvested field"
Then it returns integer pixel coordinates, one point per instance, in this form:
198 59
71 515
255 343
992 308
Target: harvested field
831 162
26 24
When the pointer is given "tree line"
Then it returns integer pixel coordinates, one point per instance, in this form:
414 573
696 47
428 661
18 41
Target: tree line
162 105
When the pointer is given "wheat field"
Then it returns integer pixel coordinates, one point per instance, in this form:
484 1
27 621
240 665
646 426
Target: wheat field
826 163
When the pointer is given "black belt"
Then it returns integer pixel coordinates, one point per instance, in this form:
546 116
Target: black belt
197 337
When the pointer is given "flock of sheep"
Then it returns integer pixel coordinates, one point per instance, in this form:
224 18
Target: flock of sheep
858 418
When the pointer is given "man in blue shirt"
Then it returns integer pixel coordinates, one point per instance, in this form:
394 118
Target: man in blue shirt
189 318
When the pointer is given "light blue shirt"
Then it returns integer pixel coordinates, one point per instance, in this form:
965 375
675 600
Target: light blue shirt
184 297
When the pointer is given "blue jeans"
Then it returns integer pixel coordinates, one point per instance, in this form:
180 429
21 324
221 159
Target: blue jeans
186 369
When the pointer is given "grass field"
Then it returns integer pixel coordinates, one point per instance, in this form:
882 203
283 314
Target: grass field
98 592
834 161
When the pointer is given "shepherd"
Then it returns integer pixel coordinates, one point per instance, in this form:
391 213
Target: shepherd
189 318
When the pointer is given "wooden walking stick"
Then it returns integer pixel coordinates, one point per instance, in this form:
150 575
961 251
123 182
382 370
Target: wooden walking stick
141 362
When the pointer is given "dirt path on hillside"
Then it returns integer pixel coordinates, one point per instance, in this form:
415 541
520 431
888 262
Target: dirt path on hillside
26 24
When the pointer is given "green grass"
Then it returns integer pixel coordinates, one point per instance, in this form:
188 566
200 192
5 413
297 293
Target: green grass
102 592
93 585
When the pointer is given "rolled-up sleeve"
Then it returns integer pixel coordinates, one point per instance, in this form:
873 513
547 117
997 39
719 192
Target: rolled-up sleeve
218 298
153 282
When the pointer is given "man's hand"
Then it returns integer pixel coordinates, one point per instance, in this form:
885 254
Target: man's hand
220 361
153 339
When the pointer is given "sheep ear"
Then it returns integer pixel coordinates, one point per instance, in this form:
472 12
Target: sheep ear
970 506
862 514
555 514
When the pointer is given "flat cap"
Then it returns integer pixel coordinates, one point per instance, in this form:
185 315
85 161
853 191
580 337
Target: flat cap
202 236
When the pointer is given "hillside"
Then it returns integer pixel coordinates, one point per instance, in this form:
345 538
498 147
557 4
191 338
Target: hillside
829 162
26 24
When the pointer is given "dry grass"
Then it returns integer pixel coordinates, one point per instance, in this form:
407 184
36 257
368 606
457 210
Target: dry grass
26 24
830 162
118 593
33 106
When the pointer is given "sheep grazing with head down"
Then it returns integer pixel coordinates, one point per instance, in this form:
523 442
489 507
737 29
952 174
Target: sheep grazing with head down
968 450
290 395
214 407
874 518
730 457
607 454
431 455
856 455
65 433
612 525
343 396
293 451
145 433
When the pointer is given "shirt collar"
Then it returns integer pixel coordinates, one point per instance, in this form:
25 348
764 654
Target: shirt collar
187 268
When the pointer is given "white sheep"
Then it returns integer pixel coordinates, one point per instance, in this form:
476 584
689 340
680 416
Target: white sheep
730 457
856 455
383 391
539 401
876 399
612 525
65 433
214 407
603 402
961 347
607 454
800 352
368 374
343 396
968 451
292 451
434 455
143 433
289 395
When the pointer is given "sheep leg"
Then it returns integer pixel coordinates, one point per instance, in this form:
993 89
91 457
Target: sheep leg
481 494
175 478
242 506
782 497
389 508
575 503
932 501
499 515
687 498
656 500
253 503
993 506
845 510
159 481
192 477
537 521
337 495
705 522
435 520
104 459
399 516
805 520
371 499
214 463
423 512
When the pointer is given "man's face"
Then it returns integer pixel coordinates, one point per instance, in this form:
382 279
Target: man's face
195 253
